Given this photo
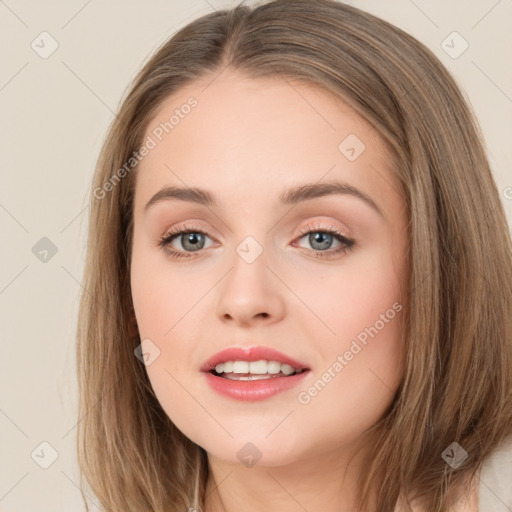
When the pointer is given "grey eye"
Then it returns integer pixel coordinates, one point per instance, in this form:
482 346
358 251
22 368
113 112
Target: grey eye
320 241
192 241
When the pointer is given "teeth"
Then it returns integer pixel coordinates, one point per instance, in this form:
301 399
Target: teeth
273 367
253 368
287 369
258 367
240 367
235 376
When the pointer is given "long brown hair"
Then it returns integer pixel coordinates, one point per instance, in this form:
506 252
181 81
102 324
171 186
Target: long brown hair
457 384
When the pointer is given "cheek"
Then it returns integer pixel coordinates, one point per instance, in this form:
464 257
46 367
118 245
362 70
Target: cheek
165 303
352 297
359 376
161 313
176 393
161 295
361 356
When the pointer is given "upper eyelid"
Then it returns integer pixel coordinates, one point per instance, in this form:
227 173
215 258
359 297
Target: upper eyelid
175 232
346 243
311 225
172 234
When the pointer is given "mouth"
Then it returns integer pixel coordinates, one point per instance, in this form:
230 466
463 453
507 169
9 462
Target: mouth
254 370
252 373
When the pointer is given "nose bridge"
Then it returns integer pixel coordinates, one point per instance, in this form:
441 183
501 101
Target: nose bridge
250 233
248 290
249 271
250 249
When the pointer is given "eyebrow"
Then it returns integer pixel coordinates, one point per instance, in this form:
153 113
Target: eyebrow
291 196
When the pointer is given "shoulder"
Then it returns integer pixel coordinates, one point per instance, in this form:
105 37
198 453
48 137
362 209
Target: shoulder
492 487
495 488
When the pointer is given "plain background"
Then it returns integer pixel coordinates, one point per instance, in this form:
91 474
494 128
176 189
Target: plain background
55 113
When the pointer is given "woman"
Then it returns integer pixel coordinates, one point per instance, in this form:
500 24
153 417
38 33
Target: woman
342 338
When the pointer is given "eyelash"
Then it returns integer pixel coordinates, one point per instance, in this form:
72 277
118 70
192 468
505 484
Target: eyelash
347 244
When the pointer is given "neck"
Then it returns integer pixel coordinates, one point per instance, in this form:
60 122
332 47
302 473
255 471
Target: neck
324 482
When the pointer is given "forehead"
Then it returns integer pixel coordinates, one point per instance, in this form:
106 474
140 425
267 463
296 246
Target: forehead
230 133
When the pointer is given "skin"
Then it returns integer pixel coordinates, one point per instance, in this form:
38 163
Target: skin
246 141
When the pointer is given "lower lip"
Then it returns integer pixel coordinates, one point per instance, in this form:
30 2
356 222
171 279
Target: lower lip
252 390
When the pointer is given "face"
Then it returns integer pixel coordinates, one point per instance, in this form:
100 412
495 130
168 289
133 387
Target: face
293 275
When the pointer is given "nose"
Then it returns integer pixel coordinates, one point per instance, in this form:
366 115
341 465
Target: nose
250 293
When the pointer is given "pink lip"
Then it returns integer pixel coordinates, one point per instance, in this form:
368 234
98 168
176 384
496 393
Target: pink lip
250 354
256 389
250 391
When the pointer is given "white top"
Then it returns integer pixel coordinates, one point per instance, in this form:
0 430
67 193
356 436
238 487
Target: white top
495 489
495 485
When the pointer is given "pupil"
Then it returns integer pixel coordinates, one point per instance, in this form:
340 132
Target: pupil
323 239
194 240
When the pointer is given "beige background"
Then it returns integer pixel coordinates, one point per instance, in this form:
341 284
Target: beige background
55 113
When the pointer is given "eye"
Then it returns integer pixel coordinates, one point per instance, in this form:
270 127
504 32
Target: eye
190 239
321 239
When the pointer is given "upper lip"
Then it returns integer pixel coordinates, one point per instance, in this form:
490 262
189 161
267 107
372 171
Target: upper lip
250 354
